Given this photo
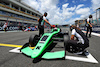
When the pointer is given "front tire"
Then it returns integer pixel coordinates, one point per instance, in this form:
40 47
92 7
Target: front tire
66 38
33 40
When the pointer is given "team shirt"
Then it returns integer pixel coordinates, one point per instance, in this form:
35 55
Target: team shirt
89 20
78 36
5 25
44 18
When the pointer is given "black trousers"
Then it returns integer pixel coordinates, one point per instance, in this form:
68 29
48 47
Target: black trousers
41 30
73 46
5 29
89 29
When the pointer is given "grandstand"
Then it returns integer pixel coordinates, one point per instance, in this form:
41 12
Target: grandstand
16 13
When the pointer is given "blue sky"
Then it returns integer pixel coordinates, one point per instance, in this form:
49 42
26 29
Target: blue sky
64 11
74 2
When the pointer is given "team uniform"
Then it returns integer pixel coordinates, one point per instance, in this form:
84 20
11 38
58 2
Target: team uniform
88 26
5 26
81 41
41 25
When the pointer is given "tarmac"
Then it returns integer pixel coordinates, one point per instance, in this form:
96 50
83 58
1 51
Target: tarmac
10 40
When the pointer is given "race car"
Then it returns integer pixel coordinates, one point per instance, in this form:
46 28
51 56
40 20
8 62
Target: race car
43 45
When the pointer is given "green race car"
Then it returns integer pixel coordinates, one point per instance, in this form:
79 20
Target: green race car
42 45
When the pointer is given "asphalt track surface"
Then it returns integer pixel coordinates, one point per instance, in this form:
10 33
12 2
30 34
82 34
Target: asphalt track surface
8 59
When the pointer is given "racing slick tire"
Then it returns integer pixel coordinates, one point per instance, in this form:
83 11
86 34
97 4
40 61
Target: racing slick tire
66 38
71 48
33 40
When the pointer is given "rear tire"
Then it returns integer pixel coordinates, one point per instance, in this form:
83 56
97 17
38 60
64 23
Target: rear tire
66 38
33 40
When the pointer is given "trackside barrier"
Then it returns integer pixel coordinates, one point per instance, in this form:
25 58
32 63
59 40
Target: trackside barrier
9 28
95 29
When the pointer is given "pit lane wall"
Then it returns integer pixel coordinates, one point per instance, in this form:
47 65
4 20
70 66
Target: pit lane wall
9 28
95 29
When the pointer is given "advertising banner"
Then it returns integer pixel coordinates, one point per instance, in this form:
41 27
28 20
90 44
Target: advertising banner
9 28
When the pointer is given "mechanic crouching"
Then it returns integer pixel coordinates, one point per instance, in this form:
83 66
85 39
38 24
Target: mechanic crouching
78 42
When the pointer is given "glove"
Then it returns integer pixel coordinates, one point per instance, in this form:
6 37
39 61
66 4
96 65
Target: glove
79 42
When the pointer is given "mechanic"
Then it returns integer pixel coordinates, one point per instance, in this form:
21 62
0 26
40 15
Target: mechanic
89 25
41 23
81 40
